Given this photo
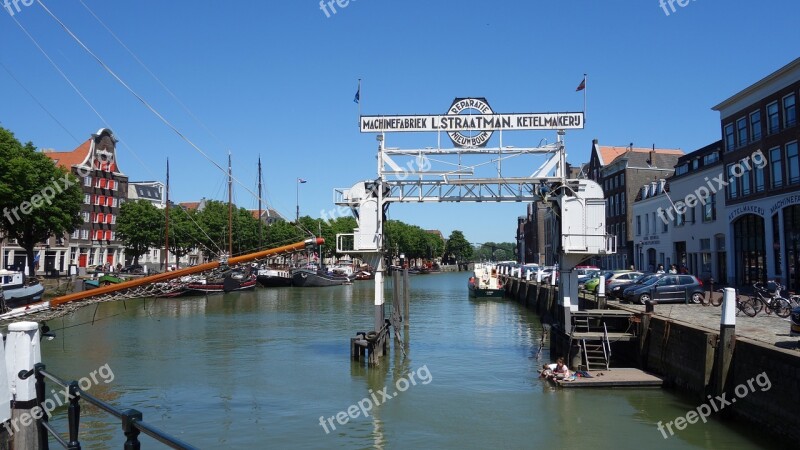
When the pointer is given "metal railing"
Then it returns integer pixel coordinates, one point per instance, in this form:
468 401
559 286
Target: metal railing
131 419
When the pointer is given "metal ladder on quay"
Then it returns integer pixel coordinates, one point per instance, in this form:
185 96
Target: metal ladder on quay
595 353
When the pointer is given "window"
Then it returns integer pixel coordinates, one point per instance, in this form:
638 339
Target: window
755 125
647 223
733 187
729 139
87 181
758 175
692 213
655 226
99 218
792 163
741 131
710 158
663 225
76 234
789 111
87 199
84 234
108 235
775 164
114 202
98 235
710 208
113 219
773 124
638 225
622 204
682 169
745 178
85 216
622 234
109 218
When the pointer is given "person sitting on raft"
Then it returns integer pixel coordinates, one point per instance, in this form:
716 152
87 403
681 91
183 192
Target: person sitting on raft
561 369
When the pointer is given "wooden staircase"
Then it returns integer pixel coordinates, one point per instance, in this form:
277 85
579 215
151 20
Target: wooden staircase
590 331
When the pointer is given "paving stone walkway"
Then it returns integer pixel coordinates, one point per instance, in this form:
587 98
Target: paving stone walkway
767 328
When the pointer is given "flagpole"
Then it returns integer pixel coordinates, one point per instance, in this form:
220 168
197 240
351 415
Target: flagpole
585 86
297 200
359 102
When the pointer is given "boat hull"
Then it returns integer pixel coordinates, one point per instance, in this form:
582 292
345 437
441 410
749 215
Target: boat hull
484 293
311 278
274 281
23 295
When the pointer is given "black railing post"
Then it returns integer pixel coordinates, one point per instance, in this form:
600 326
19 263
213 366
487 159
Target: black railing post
129 418
74 416
40 387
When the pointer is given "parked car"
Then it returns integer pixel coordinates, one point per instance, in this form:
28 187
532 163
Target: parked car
615 283
134 268
591 285
529 268
617 290
668 288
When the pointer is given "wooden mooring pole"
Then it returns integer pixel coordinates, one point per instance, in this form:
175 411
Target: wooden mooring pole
406 298
727 340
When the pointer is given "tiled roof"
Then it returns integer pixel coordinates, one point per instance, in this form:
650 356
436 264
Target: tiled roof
69 159
189 205
610 153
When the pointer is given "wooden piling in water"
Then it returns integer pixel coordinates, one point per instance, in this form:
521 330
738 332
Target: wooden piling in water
406 299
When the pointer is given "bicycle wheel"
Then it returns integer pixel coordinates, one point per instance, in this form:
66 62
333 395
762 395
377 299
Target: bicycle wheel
781 307
747 307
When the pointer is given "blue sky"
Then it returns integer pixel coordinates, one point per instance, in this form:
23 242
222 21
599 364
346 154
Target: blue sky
277 79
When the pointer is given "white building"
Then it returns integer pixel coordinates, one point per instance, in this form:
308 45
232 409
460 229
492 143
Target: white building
651 228
698 235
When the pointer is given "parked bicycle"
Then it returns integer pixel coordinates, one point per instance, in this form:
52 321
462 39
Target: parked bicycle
744 304
769 298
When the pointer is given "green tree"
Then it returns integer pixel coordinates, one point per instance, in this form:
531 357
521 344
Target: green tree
140 225
38 198
458 247
491 251
182 232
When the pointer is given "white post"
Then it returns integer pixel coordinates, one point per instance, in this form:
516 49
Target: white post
5 388
728 318
601 286
528 276
23 352
553 277
539 275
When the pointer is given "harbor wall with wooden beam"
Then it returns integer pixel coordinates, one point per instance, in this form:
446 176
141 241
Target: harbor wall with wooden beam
684 355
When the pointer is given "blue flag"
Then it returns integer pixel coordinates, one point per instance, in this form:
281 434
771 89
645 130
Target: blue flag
357 98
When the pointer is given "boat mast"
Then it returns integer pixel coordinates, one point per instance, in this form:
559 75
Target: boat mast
230 207
166 214
259 201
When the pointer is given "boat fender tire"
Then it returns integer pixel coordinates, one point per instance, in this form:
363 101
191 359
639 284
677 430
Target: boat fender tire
372 336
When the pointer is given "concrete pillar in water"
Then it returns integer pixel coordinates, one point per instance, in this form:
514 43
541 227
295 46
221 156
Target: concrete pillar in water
727 340
23 352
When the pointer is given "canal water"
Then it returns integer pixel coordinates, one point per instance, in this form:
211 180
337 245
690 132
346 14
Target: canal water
260 370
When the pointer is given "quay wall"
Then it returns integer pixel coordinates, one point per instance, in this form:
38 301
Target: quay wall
685 356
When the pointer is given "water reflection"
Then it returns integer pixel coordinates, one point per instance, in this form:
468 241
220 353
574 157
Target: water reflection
260 368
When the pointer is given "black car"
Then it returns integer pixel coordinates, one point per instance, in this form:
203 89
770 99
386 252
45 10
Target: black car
616 289
135 268
667 288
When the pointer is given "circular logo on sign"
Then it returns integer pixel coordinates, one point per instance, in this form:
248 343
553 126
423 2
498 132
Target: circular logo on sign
467 107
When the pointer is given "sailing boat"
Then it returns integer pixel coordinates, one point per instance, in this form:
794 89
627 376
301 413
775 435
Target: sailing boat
226 278
269 276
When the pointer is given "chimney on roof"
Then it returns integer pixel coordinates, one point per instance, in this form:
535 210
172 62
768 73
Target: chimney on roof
652 160
594 141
